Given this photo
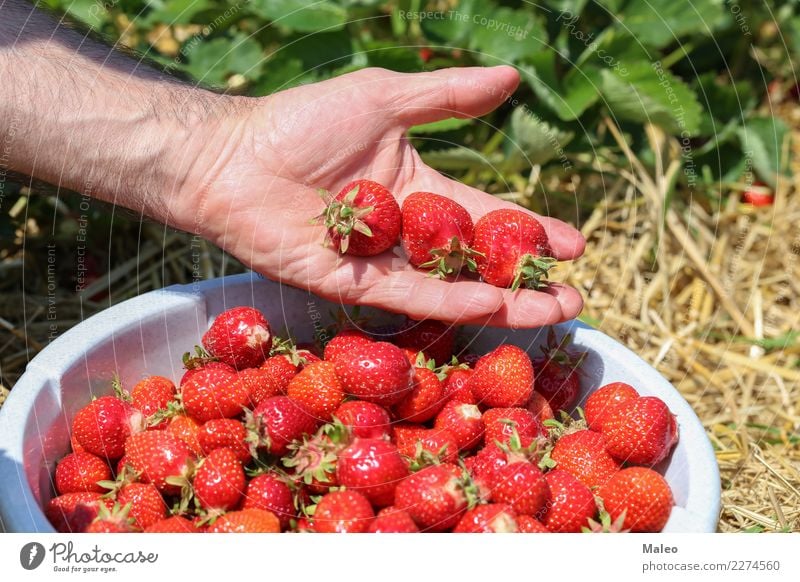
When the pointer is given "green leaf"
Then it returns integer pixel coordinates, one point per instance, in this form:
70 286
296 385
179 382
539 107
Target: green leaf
658 23
461 158
533 140
301 15
506 35
212 61
440 126
183 12
388 55
574 7
451 27
649 94
91 12
320 52
762 141
282 73
579 91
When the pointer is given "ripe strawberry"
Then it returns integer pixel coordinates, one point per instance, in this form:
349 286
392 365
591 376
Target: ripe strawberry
153 394
378 372
80 472
174 524
269 492
464 421
364 419
522 486
188 430
513 249
433 338
373 467
502 423
343 342
406 436
456 385
314 460
225 433
528 524
318 390
541 410
276 422
259 384
571 503
640 431
343 512
434 497
246 521
147 507
159 456
281 371
486 464
426 446
392 520
758 195
195 364
74 512
114 520
240 337
424 401
602 400
644 497
488 518
584 454
558 373
214 393
102 426
219 481
503 377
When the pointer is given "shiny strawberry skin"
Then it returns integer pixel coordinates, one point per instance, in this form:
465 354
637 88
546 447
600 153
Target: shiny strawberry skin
227 433
74 512
393 520
488 518
147 505
465 421
584 454
281 421
373 467
343 512
528 524
384 220
78 472
430 222
219 482
173 524
152 394
343 342
559 384
641 431
259 384
212 365
643 495
157 455
502 422
246 521
600 402
522 486
318 390
456 386
433 497
424 401
188 430
364 419
214 393
269 492
571 505
240 337
503 377
102 426
433 338
281 371
377 372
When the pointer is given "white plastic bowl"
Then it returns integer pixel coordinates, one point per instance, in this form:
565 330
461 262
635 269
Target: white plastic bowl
148 335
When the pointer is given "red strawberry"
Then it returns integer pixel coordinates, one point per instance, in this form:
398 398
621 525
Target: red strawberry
314 460
424 401
392 520
343 512
281 370
433 338
318 390
502 423
489 518
214 393
602 400
174 524
372 467
427 446
363 219
195 364
378 372
102 426
503 377
486 464
364 419
406 436
80 472
464 421
74 512
583 454
260 384
188 430
159 456
558 373
528 524
269 492
115 520
437 233
513 249
147 507
641 431
225 433
456 386
571 506
758 195
434 497
278 421
152 394
643 495
246 521
240 337
343 342
541 410
219 482
522 486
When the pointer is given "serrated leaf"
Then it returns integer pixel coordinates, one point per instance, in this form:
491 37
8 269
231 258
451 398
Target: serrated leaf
443 125
533 140
505 35
213 60
569 100
461 159
455 27
658 23
301 15
762 141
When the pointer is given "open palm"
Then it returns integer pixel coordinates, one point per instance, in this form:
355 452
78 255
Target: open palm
259 198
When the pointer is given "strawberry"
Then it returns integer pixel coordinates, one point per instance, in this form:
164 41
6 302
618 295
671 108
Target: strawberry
392 520
503 377
406 436
227 433
434 497
153 394
188 430
271 493
583 453
528 524
486 464
280 370
174 524
364 419
80 472
240 337
102 426
424 401
219 481
602 400
197 364
464 421
571 505
642 496
378 372
489 518
372 467
641 431
276 422
114 520
426 446
214 393
456 385
259 384
541 410
147 507
314 460
74 512
159 458
758 195
317 389
246 521
521 485
343 512
558 373
343 342
513 249
502 423
363 219
433 338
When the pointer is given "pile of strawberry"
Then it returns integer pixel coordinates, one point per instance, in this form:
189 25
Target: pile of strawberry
365 436
507 247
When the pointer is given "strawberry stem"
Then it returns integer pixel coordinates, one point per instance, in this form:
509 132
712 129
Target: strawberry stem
532 272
